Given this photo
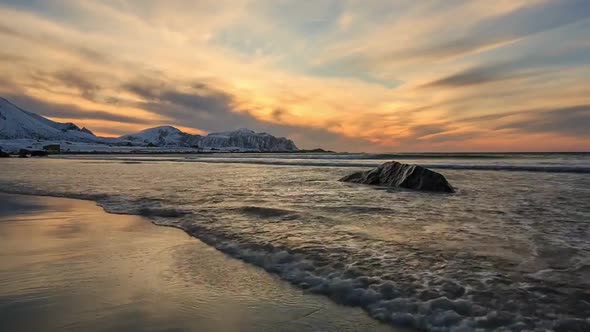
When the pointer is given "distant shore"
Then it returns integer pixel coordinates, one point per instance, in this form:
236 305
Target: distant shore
7 155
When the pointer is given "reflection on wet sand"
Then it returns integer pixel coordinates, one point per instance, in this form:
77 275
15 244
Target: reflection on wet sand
67 265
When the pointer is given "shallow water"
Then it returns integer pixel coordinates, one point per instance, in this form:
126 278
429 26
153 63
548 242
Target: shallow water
509 250
66 265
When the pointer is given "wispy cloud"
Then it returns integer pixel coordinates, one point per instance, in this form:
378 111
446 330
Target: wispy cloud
71 111
570 121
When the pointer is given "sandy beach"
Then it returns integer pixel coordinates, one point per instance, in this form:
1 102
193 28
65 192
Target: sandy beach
66 265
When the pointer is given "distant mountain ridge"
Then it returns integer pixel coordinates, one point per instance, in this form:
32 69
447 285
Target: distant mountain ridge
242 139
17 123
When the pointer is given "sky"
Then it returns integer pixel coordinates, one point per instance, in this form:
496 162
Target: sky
346 75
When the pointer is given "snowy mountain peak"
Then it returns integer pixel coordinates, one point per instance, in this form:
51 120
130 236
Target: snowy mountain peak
16 123
247 139
165 128
160 136
237 132
245 131
161 130
240 140
86 130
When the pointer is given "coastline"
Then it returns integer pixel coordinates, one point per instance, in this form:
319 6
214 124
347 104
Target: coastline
74 266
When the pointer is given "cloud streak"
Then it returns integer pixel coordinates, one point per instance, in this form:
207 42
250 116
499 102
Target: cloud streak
71 111
573 121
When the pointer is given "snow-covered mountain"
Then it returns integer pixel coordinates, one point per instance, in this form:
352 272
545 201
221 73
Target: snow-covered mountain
240 140
248 139
18 124
163 136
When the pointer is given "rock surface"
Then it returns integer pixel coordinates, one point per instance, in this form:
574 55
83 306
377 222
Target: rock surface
247 139
395 174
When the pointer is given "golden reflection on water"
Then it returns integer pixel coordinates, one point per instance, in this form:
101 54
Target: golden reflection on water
67 265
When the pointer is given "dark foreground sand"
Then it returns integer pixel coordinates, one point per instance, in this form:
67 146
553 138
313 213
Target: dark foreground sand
67 265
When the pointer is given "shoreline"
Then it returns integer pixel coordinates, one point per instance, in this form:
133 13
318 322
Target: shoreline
251 261
69 219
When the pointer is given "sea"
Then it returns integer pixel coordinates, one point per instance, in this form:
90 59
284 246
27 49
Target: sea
509 251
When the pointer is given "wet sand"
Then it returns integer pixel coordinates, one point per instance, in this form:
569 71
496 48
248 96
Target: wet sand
67 265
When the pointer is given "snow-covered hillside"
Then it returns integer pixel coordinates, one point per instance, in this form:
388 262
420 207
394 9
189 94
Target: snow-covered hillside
163 136
238 140
18 128
248 139
16 123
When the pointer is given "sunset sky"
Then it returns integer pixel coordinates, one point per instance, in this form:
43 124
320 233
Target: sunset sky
350 75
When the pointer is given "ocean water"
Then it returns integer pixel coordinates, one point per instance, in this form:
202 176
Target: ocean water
509 251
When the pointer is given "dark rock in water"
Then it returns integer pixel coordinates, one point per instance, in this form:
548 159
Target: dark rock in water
4 154
394 174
